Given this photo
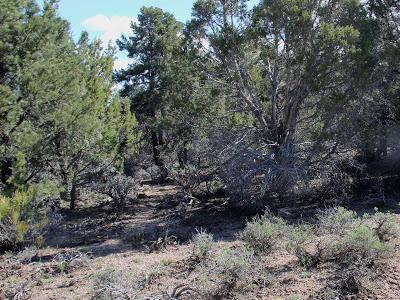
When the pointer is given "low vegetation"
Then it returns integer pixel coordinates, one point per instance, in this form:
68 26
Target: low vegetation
299 240
202 244
264 232
113 285
23 219
230 270
339 236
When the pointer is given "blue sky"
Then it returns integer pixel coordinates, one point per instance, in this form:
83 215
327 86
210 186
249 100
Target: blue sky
108 20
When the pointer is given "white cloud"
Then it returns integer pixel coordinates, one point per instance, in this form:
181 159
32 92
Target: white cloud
122 63
110 29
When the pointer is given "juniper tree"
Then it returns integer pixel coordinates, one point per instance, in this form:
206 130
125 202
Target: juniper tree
288 64
60 120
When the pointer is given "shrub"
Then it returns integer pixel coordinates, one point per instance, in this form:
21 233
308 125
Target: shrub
66 261
336 220
229 271
189 178
384 225
299 240
21 220
27 255
354 239
202 244
263 232
156 271
235 263
327 293
118 187
112 285
361 244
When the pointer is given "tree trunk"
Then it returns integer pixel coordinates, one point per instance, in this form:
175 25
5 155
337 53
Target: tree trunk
72 197
156 152
183 157
70 192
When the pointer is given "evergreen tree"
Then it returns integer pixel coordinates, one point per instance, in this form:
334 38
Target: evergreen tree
154 41
60 120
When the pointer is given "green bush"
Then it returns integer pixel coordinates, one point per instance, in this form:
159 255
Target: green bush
361 244
117 285
385 225
263 232
234 263
352 239
25 215
299 240
110 284
19 223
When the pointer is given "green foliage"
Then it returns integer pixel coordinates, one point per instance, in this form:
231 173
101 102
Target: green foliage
114 285
385 226
298 243
65 262
20 220
154 40
58 113
264 232
361 244
105 285
234 263
354 240
62 267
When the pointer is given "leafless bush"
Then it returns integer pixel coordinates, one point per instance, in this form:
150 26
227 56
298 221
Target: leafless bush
250 176
119 187
26 255
19 292
161 242
8 234
64 262
177 292
189 178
